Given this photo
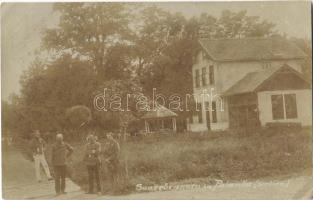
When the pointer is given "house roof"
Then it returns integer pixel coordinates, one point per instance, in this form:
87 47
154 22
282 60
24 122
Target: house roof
252 81
251 49
159 112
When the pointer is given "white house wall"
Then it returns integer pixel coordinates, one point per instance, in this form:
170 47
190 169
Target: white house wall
304 106
226 74
221 116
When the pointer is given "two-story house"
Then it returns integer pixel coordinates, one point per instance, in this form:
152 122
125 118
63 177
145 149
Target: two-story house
249 82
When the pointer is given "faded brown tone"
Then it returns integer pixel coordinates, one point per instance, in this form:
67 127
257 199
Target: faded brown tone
24 24
177 100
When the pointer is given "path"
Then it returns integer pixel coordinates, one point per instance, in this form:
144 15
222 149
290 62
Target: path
19 183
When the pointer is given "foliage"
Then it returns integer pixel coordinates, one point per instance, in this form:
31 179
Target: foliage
47 90
89 31
235 25
168 45
120 102
132 51
97 46
78 115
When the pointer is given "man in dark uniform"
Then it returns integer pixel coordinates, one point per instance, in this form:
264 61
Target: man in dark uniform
60 152
111 160
92 161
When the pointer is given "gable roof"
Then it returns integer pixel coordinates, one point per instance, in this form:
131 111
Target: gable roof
254 80
159 112
249 49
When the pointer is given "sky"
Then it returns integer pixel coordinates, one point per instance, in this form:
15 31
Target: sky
22 25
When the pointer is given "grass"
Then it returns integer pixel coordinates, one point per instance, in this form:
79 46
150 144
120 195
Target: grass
224 156
229 156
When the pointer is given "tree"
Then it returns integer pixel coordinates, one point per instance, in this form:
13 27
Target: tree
88 31
119 101
48 90
96 46
14 117
78 115
159 30
168 45
234 25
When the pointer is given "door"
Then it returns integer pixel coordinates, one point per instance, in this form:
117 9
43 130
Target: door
252 117
244 117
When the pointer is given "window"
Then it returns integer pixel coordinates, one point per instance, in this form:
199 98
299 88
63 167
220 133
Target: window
277 106
214 117
266 65
204 82
199 110
291 106
197 78
211 74
284 106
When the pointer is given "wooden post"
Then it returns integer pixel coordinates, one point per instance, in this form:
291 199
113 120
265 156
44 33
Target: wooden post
174 124
146 126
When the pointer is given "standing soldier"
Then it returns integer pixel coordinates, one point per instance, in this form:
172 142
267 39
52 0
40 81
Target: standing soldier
111 158
37 147
60 152
92 161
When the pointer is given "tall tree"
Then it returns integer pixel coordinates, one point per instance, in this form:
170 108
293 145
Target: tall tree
47 90
103 45
89 31
234 25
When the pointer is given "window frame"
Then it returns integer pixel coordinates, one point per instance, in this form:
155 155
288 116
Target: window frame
275 106
203 76
211 75
266 65
197 78
284 106
295 114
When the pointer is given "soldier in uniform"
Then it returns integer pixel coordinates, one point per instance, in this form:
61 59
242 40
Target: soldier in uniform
61 151
92 160
111 160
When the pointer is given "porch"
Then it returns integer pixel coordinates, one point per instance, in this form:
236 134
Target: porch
160 119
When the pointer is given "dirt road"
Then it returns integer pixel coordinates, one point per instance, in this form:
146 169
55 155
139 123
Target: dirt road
19 181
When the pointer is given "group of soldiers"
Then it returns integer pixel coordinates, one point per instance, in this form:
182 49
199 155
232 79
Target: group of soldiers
99 159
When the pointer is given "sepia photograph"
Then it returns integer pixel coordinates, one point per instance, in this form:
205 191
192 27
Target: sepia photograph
208 100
